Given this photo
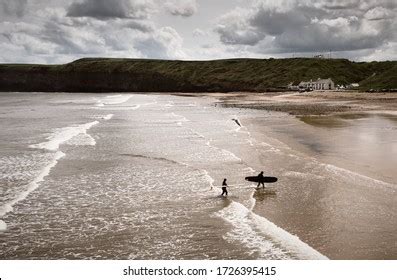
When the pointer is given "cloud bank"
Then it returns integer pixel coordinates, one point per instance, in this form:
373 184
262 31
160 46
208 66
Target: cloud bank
310 26
57 31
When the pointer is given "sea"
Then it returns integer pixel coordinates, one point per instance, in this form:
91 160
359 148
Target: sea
138 176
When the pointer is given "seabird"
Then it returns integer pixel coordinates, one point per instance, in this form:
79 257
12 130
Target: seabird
237 121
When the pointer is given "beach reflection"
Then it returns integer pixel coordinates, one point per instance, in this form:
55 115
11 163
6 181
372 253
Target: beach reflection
341 196
365 142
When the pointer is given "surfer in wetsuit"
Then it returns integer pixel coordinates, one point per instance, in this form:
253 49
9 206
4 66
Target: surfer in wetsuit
261 180
224 185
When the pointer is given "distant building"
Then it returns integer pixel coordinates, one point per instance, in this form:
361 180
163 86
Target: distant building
319 84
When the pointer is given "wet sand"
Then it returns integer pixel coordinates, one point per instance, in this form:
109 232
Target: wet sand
352 131
311 103
343 203
350 139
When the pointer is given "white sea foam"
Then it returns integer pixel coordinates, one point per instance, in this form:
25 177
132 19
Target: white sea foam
103 117
359 178
249 169
249 141
263 237
19 167
181 118
252 201
76 135
302 175
82 139
3 226
115 99
108 117
270 147
62 135
227 154
209 179
8 207
230 154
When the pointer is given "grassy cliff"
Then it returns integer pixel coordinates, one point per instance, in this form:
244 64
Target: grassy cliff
142 75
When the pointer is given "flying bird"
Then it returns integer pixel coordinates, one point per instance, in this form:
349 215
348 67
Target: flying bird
237 122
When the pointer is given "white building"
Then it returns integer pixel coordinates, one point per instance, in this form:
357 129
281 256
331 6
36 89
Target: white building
319 84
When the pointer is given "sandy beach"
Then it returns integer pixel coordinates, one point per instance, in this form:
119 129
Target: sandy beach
312 103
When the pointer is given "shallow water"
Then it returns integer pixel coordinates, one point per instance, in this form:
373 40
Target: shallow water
339 183
99 176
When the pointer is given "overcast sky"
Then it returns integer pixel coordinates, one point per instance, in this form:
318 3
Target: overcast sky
59 31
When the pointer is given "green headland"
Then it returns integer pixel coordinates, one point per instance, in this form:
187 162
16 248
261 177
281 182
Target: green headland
230 75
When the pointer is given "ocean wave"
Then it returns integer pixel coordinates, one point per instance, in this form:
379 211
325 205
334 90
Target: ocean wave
82 139
154 158
108 117
302 175
114 99
3 226
61 135
8 207
208 178
356 177
263 237
72 135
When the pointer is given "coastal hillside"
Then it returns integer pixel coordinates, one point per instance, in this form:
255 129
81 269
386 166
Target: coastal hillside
143 75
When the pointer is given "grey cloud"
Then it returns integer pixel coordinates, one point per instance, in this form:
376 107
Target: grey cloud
308 26
184 8
234 29
199 33
230 36
105 9
10 8
317 38
150 47
138 25
275 23
165 43
56 38
378 13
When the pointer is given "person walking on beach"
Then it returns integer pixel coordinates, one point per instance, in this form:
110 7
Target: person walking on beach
261 179
224 190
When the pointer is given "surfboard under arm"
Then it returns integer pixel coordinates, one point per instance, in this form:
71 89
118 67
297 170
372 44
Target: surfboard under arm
261 180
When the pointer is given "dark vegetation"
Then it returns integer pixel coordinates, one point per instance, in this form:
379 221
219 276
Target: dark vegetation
142 75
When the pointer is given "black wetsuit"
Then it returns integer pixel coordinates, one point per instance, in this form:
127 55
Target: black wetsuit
260 181
224 190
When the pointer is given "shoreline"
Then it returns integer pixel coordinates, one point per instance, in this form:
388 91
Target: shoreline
317 103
